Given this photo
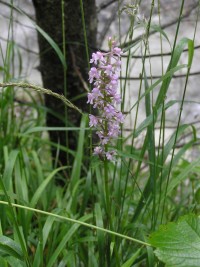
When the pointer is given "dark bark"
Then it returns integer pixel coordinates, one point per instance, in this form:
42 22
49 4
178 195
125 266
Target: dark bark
49 18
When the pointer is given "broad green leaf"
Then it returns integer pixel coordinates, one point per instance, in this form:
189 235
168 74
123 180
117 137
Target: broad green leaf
178 244
10 247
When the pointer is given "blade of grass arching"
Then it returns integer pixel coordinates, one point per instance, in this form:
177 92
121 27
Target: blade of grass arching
70 232
100 236
158 29
52 44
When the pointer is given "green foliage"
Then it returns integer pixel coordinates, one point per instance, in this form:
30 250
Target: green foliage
102 213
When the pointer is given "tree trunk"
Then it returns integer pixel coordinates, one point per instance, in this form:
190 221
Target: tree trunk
49 18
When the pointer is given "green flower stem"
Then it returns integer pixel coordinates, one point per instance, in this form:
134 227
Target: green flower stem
77 221
107 199
44 91
107 191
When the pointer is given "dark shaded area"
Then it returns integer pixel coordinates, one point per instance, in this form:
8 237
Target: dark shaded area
49 18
